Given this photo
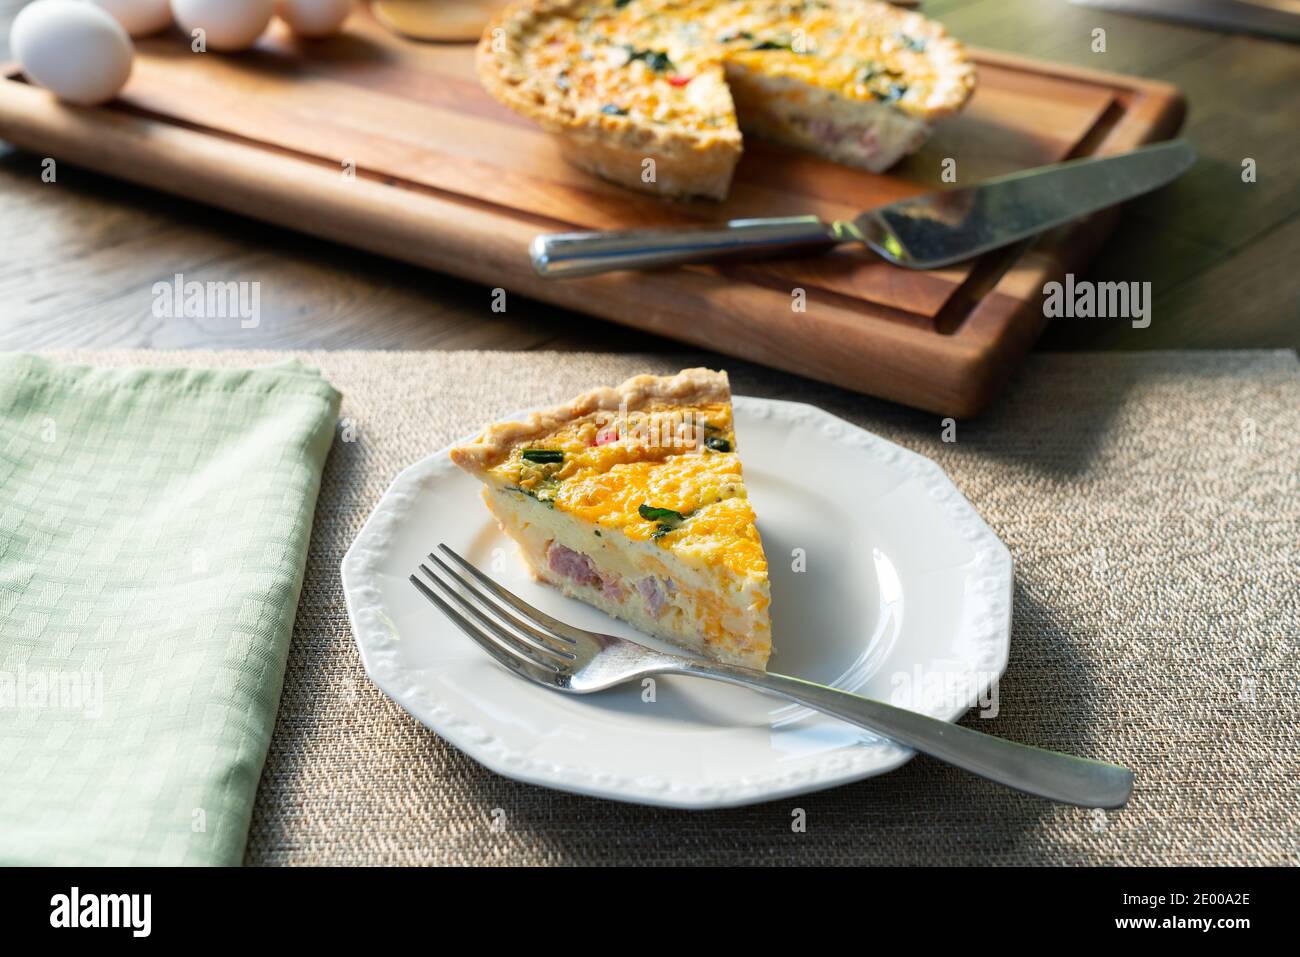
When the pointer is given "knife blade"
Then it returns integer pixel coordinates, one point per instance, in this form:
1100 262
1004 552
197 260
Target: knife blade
1267 18
940 229
924 232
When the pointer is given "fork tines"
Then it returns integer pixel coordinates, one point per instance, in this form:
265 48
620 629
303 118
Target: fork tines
515 633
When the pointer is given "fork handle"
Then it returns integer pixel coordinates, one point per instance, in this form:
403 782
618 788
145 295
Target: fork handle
1048 774
567 255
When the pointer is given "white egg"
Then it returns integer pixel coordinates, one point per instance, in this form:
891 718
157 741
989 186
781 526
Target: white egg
314 18
227 24
140 17
75 50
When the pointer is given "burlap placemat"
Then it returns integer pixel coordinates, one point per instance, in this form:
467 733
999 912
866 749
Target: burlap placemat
1150 502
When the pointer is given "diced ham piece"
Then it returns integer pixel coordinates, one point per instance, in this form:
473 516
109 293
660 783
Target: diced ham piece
870 147
579 567
611 586
653 595
825 131
565 561
605 436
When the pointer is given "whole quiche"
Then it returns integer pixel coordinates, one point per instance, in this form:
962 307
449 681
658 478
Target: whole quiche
653 94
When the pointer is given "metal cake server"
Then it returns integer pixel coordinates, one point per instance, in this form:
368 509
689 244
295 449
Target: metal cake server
924 232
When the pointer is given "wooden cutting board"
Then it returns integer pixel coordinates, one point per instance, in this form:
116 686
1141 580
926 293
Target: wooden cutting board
447 178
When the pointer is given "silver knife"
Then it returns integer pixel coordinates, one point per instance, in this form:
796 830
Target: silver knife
1268 18
925 232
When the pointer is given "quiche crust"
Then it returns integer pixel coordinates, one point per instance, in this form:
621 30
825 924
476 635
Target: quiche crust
623 82
652 527
689 387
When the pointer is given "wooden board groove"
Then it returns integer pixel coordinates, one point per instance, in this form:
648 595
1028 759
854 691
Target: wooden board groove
449 179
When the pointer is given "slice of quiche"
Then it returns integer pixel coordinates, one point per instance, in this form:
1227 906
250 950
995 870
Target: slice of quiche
653 94
631 499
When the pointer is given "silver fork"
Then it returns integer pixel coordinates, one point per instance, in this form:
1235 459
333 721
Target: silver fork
542 649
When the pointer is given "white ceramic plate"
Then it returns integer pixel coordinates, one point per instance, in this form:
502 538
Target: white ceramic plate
904 596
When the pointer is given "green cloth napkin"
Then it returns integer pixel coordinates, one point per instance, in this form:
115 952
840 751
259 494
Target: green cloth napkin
153 534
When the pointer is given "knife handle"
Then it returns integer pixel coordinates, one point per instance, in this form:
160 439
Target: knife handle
567 255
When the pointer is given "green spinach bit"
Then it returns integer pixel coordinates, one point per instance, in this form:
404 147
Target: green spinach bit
651 514
668 519
656 60
542 456
892 94
872 71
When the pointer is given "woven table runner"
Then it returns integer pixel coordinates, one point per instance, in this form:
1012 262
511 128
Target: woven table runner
1149 500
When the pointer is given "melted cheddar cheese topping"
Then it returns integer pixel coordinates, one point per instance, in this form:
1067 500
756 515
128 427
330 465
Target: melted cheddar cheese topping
668 474
663 61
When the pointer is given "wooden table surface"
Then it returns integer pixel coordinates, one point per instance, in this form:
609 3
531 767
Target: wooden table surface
79 257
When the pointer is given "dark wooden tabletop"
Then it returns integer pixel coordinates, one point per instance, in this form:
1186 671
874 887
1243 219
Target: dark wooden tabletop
79 257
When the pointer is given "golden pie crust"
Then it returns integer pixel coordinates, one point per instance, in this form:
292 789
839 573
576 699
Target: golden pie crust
690 387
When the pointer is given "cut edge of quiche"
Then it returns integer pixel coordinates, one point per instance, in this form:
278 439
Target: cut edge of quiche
864 95
632 500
